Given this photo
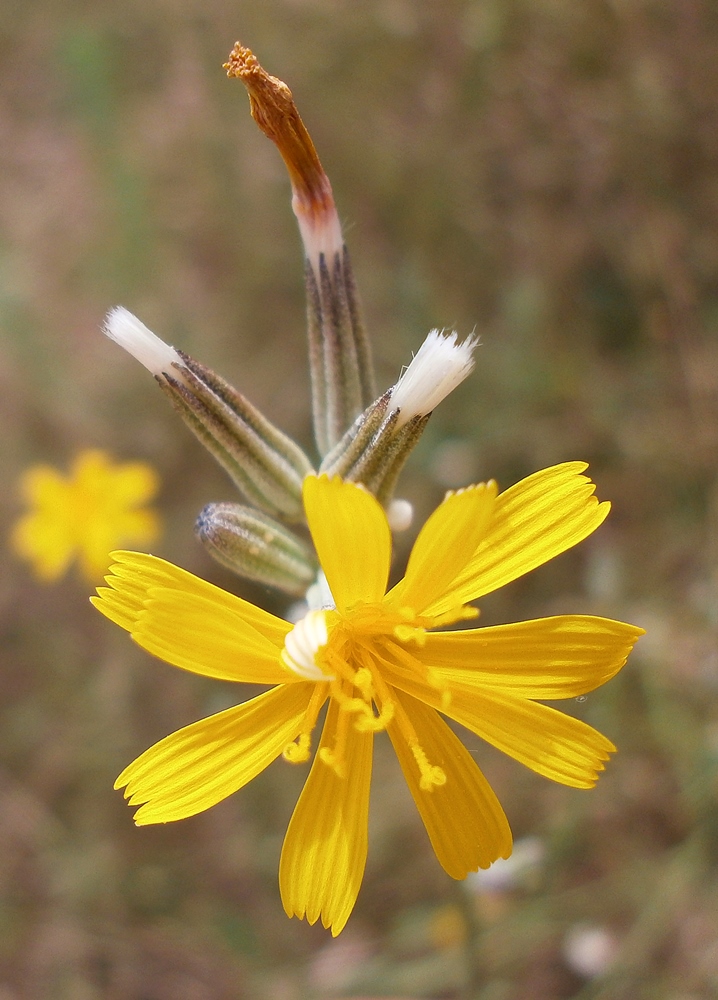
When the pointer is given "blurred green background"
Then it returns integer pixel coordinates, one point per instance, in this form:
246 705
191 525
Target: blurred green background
544 171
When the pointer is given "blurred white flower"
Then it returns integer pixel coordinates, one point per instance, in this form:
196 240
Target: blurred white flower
588 950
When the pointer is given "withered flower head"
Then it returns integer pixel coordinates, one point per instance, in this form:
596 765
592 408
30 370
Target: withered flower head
275 112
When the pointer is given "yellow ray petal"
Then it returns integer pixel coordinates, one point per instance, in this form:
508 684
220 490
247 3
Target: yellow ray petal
444 546
548 741
102 534
467 827
134 574
121 608
44 536
533 521
207 637
115 486
200 765
352 538
324 851
558 657
92 469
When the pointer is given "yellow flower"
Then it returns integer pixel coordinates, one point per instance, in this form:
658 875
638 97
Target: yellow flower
373 658
84 515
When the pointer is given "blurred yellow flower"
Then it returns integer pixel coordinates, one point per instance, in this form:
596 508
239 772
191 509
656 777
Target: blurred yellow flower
86 514
373 659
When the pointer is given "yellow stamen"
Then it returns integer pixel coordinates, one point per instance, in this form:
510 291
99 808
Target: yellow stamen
415 627
345 681
386 704
336 758
431 775
408 666
459 613
410 633
363 680
299 751
370 723
348 703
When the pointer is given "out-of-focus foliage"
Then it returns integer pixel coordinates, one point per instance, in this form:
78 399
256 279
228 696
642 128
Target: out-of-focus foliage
542 170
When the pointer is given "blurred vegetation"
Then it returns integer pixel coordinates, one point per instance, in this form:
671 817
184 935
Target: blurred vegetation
541 170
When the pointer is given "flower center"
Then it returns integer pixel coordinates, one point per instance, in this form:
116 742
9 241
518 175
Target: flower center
352 654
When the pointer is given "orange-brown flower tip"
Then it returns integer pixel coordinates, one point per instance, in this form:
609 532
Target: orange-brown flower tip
271 99
274 110
241 61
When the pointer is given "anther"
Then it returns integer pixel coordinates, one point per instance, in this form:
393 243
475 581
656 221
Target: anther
432 776
298 752
370 723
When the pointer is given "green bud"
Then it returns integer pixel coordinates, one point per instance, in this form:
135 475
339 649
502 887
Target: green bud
375 447
265 464
254 545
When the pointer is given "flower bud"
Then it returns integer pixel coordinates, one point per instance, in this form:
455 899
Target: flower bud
265 464
375 447
252 544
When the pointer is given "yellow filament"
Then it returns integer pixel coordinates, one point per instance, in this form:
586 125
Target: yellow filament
408 666
299 751
431 775
462 612
336 757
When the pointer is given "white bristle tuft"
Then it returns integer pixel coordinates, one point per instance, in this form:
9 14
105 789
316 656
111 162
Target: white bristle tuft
440 364
130 333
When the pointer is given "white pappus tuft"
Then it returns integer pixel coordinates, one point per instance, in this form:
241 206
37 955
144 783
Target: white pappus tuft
440 364
132 334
